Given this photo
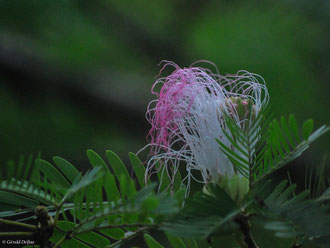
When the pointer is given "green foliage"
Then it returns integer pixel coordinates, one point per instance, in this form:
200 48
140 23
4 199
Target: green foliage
151 242
218 209
266 145
138 168
284 144
81 37
68 170
236 187
117 215
175 241
106 207
290 215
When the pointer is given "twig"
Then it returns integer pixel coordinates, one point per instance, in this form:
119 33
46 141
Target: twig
17 234
144 228
244 226
135 234
59 243
16 223
115 226
294 243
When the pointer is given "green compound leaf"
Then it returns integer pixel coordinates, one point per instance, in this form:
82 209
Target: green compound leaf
307 128
85 181
151 242
127 187
138 167
217 210
114 233
17 200
289 215
54 174
117 165
110 185
266 145
90 238
69 171
163 178
29 190
175 241
69 243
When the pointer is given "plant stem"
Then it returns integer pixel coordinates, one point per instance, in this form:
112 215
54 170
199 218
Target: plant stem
244 227
250 162
16 223
58 244
143 228
57 214
135 234
95 217
113 226
294 243
17 234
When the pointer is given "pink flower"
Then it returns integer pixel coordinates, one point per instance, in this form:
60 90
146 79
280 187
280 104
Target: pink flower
187 118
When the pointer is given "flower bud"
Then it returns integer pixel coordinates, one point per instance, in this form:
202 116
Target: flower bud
236 187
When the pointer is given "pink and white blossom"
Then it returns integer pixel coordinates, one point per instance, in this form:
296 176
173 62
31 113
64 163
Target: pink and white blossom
187 119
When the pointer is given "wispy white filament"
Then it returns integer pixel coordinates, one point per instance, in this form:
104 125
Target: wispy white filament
188 116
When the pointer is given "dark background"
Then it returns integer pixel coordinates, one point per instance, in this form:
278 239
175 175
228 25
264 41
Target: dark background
77 74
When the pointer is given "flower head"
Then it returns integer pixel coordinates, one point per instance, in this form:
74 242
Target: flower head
187 118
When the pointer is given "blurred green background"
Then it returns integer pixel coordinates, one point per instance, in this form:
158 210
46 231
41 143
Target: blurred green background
77 74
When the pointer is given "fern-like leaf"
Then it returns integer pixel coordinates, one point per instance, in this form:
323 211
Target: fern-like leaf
217 210
291 215
266 144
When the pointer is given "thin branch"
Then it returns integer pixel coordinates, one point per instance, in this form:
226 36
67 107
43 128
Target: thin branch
244 227
135 234
59 243
16 223
294 243
115 226
250 161
57 214
92 218
17 234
